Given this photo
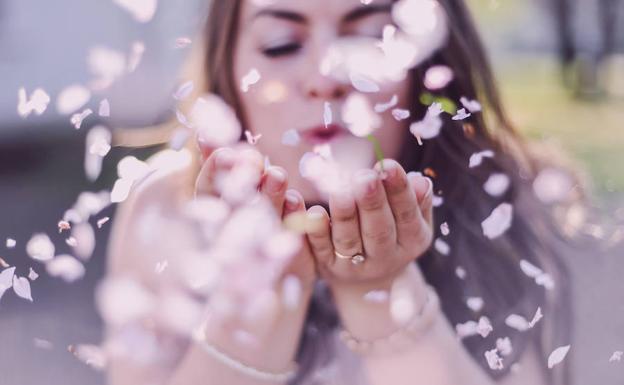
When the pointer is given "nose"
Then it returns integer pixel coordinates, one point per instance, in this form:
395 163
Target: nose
325 87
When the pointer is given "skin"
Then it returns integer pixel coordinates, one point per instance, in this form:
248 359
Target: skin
386 215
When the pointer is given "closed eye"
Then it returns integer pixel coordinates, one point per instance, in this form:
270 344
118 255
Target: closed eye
281 50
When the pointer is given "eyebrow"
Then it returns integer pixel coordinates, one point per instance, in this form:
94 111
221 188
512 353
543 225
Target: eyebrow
354 15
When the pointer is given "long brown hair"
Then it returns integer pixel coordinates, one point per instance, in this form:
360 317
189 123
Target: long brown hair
491 266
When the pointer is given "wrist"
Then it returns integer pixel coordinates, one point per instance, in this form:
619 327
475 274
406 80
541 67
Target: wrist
366 310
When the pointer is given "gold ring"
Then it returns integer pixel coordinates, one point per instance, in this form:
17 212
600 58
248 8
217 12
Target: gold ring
355 259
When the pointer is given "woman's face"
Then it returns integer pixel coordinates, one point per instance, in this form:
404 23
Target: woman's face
286 41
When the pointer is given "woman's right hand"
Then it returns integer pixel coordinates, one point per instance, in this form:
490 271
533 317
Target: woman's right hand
282 321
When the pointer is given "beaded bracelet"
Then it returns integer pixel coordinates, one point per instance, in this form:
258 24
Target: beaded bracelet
240 367
402 338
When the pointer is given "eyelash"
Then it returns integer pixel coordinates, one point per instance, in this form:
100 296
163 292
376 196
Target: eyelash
281 50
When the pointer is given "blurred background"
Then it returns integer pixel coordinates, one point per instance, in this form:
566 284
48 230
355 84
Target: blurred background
560 65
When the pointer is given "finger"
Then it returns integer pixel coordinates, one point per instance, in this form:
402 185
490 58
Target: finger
345 224
403 201
319 236
423 188
273 186
377 226
219 161
293 203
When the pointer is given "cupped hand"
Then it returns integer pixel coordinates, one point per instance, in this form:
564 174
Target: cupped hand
387 220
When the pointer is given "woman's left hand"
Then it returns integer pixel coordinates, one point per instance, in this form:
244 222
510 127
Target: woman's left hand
386 220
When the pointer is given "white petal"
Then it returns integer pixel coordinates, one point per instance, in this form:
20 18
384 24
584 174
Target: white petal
40 247
104 110
184 90
477 158
142 10
363 84
32 275
442 247
85 240
400 114
77 118
136 55
517 322
495 362
538 316
65 267
497 184
291 138
438 77
10 243
557 356
484 327
251 78
72 98
215 121
6 279
470 105
475 304
383 107
21 287
498 222
121 190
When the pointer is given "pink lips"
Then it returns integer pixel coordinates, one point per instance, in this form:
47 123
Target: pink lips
321 134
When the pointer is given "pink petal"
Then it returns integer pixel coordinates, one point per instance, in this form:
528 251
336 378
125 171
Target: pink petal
104 110
142 10
184 90
40 248
21 287
72 98
252 77
215 122
498 222
437 77
557 356
65 267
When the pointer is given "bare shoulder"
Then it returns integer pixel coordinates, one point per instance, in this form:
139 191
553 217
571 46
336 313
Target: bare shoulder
152 201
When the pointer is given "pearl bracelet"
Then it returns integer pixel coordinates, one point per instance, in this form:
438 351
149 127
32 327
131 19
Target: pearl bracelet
240 367
402 338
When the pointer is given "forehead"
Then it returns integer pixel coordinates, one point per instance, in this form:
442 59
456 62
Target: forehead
309 8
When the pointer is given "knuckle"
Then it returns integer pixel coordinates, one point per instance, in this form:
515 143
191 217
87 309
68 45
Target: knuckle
347 242
380 235
372 203
406 215
344 216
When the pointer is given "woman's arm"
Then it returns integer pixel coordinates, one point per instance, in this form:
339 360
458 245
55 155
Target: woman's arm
436 357
275 350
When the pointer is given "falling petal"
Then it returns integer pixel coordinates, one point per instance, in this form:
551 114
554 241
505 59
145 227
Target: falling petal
495 362
102 221
363 84
484 327
557 356
251 78
10 243
76 119
121 190
477 158
461 114
65 267
444 229
497 184
291 138
538 316
400 114
377 296
136 54
38 102
142 10
72 98
438 77
503 345
383 107
6 280
431 124
184 90
42 344
616 356
442 247
104 110
40 247
552 185
498 222
215 122
21 287
460 272
91 355
475 304
85 240
123 300
106 65
98 144
359 116
183 42
32 275
517 322
327 114
471 105
251 138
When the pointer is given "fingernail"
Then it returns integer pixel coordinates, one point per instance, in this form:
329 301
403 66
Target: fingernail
276 179
292 200
388 168
366 182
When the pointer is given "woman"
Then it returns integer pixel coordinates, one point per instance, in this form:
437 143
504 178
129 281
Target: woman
379 237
